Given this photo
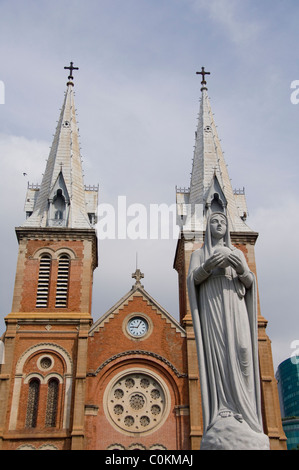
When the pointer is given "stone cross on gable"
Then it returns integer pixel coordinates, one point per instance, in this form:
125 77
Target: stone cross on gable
138 275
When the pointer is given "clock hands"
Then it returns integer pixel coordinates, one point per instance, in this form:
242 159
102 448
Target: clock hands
137 327
140 321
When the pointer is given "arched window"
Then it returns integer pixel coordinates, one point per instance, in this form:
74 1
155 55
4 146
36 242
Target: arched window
62 281
52 402
43 281
32 404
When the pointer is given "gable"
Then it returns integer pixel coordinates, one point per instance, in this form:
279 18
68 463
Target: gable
58 203
215 200
111 339
134 296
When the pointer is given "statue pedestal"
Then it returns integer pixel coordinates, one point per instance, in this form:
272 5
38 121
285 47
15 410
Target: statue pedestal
231 432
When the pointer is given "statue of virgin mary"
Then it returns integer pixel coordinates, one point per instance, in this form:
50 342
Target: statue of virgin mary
223 301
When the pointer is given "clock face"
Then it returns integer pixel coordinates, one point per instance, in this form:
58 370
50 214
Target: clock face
137 326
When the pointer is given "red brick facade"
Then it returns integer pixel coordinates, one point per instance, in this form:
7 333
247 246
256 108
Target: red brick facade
60 367
99 386
69 383
44 345
158 357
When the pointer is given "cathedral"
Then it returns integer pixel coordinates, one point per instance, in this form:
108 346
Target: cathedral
130 380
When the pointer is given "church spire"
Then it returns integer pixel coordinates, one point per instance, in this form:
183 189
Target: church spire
61 200
210 185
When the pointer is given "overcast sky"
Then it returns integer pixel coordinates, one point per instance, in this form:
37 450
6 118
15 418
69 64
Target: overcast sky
137 97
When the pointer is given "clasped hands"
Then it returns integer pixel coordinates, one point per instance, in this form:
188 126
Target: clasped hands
217 259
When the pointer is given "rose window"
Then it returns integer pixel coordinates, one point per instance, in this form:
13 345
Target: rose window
45 362
136 403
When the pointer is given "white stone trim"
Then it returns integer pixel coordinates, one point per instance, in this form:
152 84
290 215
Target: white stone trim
67 401
141 315
26 447
54 254
15 402
48 447
41 358
34 375
53 375
124 301
65 251
43 251
50 347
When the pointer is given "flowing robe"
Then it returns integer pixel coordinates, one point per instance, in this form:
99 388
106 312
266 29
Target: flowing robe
224 312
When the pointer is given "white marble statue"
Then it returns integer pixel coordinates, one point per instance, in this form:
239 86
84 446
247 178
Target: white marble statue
223 301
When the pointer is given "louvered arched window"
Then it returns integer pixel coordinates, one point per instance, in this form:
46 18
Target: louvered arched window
52 402
43 281
62 281
32 403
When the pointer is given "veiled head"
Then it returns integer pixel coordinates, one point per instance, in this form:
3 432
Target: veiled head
213 232
218 225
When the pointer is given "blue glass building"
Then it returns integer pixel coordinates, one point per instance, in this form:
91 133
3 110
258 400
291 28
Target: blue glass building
288 387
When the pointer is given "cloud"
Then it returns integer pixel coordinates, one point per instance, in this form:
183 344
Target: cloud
117 261
232 16
137 98
277 259
21 160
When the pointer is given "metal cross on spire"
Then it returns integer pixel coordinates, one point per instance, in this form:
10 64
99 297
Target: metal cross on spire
203 73
71 68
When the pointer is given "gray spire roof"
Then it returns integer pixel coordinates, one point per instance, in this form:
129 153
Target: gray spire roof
210 185
61 199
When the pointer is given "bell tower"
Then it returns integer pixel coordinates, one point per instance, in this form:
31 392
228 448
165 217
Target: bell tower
43 378
211 190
